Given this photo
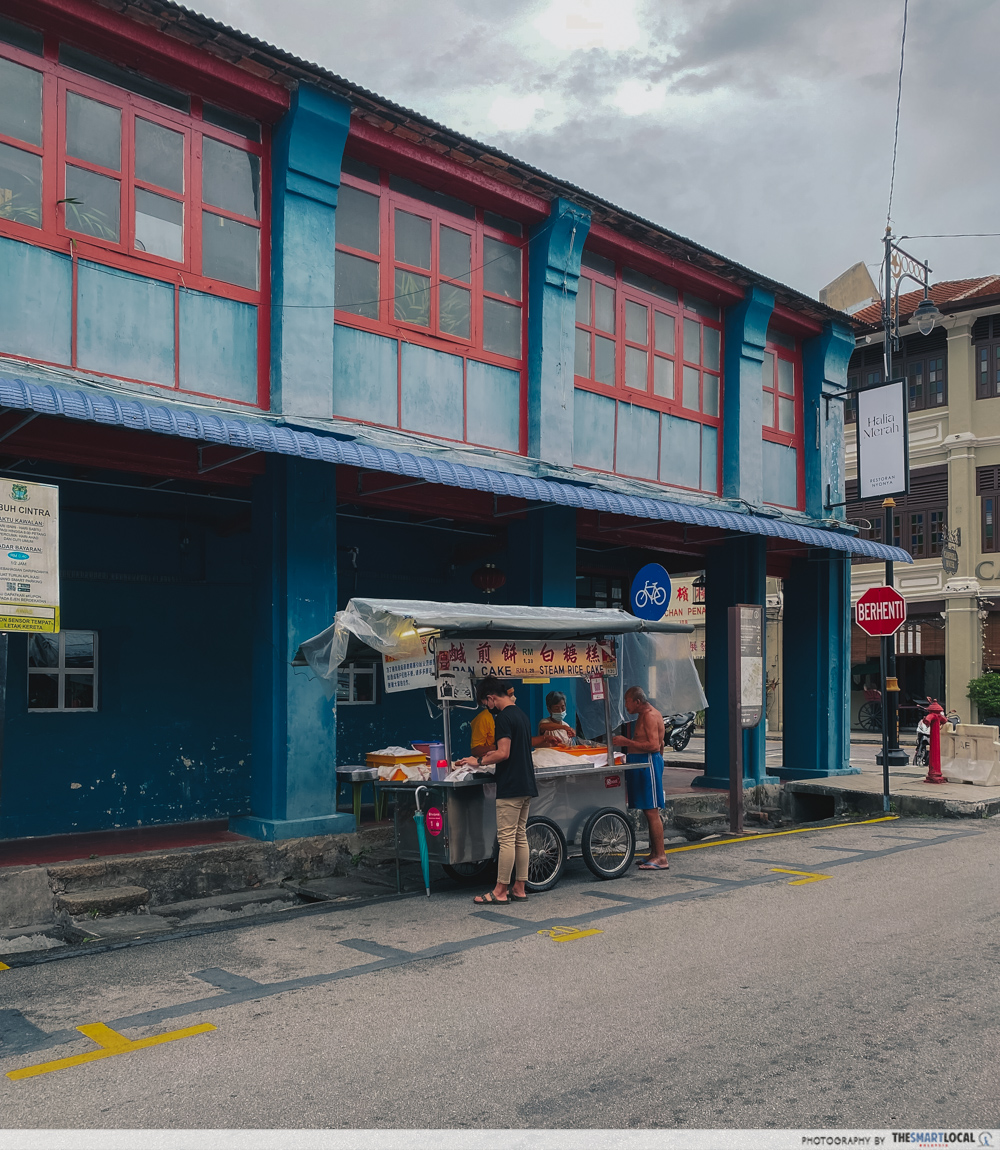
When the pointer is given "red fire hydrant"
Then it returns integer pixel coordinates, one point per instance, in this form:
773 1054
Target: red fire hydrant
934 716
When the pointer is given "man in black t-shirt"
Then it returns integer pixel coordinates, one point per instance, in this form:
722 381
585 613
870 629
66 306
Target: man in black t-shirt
515 780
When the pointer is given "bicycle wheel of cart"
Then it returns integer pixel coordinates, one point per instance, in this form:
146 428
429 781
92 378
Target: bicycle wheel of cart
471 872
870 716
608 843
547 854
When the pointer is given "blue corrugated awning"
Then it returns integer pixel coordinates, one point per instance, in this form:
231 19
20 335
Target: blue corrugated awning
259 435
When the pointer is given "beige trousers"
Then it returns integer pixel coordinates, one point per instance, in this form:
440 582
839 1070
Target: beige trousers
512 818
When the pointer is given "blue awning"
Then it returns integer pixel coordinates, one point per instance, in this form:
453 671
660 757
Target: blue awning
257 434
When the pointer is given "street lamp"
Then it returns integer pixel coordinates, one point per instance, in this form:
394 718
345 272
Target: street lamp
926 315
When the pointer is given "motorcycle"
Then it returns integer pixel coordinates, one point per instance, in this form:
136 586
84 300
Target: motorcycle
677 730
921 756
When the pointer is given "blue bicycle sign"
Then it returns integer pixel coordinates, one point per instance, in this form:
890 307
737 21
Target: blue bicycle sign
650 592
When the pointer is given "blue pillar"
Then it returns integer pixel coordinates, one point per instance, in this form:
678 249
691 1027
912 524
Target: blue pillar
735 572
308 147
742 457
294 782
553 274
816 657
824 368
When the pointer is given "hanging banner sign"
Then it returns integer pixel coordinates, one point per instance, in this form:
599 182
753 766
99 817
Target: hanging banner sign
883 441
29 556
528 658
408 674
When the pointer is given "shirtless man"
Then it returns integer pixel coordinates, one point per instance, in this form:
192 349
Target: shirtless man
645 788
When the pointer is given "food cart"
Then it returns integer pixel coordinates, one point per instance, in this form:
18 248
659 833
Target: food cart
581 804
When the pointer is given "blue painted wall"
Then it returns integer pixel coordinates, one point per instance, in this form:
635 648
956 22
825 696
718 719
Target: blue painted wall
824 367
218 346
742 452
171 741
36 287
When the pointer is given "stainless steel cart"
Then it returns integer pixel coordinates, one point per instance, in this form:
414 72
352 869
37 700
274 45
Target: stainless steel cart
580 811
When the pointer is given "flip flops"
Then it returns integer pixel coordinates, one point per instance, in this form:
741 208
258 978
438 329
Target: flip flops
517 897
653 866
488 898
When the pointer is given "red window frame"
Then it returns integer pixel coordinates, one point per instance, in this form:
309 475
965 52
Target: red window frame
773 394
626 293
387 323
58 80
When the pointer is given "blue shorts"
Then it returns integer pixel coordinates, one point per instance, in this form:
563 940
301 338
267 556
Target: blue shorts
644 789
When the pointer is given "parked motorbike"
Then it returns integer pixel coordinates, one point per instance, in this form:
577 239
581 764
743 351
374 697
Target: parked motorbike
922 752
678 729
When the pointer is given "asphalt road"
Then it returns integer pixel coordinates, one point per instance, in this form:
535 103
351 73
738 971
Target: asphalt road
725 993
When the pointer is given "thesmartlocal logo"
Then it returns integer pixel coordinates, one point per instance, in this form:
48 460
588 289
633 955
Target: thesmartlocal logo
944 1137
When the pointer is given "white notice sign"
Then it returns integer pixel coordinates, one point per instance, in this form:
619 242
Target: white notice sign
882 440
29 556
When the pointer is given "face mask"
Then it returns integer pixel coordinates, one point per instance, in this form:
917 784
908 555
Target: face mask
559 716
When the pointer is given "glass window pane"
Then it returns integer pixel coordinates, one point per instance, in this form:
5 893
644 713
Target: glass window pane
364 684
43 692
583 300
357 219
159 225
692 341
455 310
356 285
664 332
93 132
502 328
767 371
93 204
159 155
710 396
786 414
692 397
20 103
413 240
43 650
786 377
604 308
343 686
413 295
709 458
604 359
79 692
767 409
229 250
230 178
711 350
456 254
581 360
501 268
663 377
20 186
79 648
636 368
636 323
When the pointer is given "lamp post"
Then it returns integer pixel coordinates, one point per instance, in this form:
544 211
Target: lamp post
899 265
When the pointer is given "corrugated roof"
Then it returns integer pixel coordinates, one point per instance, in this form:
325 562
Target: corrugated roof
262 434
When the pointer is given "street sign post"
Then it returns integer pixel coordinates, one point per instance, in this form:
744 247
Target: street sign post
746 694
881 611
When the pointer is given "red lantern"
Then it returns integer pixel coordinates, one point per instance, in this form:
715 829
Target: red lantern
488 578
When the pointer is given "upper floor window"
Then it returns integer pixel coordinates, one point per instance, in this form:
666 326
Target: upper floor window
864 370
423 263
919 519
986 341
781 415
120 166
635 335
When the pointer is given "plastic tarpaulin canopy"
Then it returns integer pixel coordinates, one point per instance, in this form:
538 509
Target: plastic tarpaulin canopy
661 665
397 626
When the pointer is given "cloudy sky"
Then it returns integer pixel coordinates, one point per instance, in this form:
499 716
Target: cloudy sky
761 128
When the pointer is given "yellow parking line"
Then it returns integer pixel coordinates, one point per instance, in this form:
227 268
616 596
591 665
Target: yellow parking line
111 1043
776 834
807 875
4 966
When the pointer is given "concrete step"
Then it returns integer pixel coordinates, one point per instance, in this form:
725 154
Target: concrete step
108 900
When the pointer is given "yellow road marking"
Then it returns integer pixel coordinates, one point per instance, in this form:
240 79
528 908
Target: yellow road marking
4 966
777 834
111 1043
810 876
568 933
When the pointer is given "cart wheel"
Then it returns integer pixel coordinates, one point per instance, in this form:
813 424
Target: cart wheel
547 848
870 717
471 872
608 843
680 739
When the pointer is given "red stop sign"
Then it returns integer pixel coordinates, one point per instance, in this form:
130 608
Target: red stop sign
880 611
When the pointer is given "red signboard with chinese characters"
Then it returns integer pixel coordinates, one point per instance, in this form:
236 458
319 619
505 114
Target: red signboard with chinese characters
529 658
880 611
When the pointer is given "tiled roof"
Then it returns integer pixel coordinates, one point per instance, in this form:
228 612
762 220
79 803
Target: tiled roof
949 295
